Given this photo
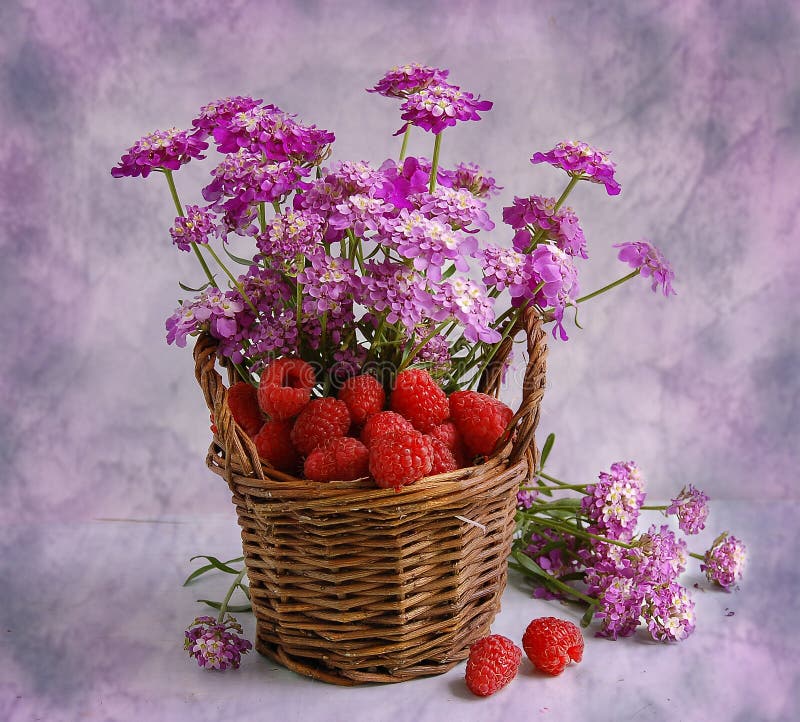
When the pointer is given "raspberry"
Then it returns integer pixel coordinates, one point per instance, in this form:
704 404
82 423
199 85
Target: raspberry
243 403
480 419
274 444
364 396
448 433
550 642
285 387
383 423
340 459
400 458
420 399
493 662
443 459
320 420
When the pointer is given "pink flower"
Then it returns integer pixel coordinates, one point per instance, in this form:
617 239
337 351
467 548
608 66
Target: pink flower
582 161
402 80
438 106
650 262
161 149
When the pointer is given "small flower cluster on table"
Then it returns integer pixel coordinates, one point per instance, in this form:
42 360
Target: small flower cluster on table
359 267
586 550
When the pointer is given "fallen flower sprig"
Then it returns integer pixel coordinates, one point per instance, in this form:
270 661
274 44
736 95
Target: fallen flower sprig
579 542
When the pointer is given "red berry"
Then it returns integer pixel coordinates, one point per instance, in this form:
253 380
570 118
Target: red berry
285 387
420 399
214 429
383 423
364 396
274 444
480 419
243 403
400 458
448 433
443 459
550 643
320 420
340 459
493 662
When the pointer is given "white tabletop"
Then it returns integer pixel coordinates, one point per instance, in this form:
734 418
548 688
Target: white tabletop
93 618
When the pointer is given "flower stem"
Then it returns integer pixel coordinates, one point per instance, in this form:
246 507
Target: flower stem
574 531
224 606
654 508
561 483
437 144
558 583
572 183
179 208
403 147
618 282
262 216
697 556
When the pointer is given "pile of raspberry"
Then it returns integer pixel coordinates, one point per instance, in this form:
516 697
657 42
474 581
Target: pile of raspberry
417 432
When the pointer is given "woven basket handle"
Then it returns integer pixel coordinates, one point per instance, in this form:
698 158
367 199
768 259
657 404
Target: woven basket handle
527 417
236 443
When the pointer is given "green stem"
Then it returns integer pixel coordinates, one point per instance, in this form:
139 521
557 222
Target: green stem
618 282
277 206
561 483
550 524
572 183
262 216
701 557
224 606
436 329
654 508
437 144
174 191
403 147
558 583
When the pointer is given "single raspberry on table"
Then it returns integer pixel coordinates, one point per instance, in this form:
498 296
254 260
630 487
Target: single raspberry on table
448 433
340 459
420 399
443 459
493 662
383 423
274 444
285 387
480 419
550 643
243 403
364 397
400 458
320 420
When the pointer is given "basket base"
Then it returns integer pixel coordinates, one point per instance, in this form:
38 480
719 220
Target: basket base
353 677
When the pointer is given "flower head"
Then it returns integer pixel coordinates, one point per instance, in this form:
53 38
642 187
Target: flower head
168 149
505 268
211 311
538 213
613 503
691 508
216 644
267 129
213 115
669 613
457 207
582 161
399 291
470 177
290 235
402 80
195 226
440 105
553 272
650 263
724 561
467 302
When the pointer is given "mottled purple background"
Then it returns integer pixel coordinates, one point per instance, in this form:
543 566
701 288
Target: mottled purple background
699 102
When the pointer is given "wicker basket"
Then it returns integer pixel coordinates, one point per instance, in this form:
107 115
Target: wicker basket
351 583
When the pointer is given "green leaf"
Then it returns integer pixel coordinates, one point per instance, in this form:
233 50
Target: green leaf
449 272
586 619
231 607
214 564
238 259
546 449
194 290
529 565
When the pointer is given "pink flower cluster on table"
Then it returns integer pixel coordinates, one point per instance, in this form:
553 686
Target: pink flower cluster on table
216 644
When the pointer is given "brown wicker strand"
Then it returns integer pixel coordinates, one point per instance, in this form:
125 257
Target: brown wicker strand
351 583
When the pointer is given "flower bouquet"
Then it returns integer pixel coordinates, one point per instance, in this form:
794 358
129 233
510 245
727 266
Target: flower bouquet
377 478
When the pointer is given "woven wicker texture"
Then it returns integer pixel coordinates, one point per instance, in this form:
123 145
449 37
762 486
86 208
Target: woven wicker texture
351 583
